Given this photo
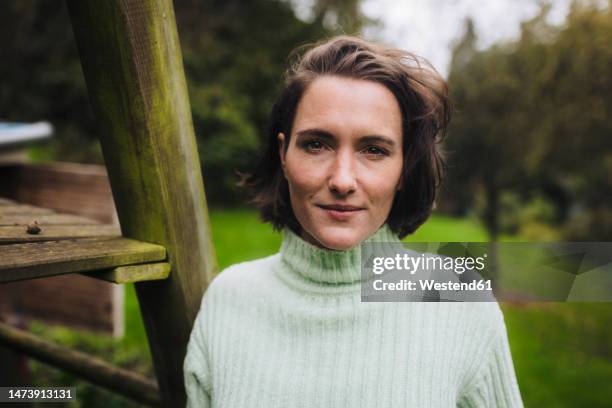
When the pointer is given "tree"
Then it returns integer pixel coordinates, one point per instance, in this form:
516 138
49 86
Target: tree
485 135
532 123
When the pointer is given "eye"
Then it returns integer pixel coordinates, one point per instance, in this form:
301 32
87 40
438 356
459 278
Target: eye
312 145
375 151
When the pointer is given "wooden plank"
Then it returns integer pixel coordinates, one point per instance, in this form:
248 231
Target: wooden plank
133 273
133 67
35 260
6 201
85 303
45 219
71 188
23 209
19 234
90 368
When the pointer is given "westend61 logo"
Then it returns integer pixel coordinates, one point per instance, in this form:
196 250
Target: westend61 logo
486 271
411 264
434 266
392 272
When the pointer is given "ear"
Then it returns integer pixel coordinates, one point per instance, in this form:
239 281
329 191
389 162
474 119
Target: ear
281 149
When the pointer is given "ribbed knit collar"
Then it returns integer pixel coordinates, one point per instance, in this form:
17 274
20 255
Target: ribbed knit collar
327 266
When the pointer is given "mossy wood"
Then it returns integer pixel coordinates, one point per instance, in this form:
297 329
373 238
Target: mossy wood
40 259
16 234
133 273
132 63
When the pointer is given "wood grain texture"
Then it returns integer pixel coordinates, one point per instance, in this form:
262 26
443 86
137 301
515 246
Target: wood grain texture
85 303
35 260
82 190
133 273
70 188
133 67
19 234
91 368
45 219
24 210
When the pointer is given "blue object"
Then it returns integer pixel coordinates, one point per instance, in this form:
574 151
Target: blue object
12 133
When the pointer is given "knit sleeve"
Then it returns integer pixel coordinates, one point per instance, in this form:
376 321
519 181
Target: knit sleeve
196 369
495 382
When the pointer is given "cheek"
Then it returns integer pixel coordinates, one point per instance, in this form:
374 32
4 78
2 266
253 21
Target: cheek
303 177
382 185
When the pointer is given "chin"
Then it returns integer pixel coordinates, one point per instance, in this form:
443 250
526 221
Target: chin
340 238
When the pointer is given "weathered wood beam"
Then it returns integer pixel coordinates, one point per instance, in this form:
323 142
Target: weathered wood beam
133 273
17 234
132 62
45 219
90 368
24 209
40 259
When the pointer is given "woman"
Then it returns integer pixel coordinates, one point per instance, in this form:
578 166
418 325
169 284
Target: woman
353 157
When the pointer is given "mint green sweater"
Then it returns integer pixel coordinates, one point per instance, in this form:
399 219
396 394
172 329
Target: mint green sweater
290 330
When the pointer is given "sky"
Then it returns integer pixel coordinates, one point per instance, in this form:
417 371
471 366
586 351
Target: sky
430 27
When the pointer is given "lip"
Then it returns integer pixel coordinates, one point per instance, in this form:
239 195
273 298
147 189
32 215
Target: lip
340 207
340 212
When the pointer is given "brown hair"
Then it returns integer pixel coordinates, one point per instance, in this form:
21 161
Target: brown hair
422 95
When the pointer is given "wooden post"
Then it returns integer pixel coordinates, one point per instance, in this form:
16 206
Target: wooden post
132 63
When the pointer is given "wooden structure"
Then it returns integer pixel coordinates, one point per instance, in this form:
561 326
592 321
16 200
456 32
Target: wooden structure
83 192
73 188
131 58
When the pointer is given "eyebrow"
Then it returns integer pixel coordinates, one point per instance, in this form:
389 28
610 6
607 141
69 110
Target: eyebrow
324 134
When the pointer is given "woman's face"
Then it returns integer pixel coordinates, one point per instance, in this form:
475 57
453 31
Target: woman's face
344 160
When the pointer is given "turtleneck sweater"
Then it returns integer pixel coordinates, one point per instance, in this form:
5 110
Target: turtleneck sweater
290 330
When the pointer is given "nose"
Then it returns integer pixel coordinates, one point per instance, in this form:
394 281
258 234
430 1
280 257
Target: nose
342 179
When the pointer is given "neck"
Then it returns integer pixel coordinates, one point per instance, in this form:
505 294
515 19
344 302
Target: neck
323 265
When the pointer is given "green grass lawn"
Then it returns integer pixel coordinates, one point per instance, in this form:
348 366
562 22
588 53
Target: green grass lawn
562 352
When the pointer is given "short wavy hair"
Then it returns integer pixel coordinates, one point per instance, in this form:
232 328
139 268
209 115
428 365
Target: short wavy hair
422 95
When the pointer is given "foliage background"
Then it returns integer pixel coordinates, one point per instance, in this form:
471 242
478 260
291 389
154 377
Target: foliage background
530 143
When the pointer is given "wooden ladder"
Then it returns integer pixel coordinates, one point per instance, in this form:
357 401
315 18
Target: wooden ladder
131 58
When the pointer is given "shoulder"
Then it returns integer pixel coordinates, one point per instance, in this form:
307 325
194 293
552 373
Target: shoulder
487 318
235 282
486 330
478 324
242 276
488 313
